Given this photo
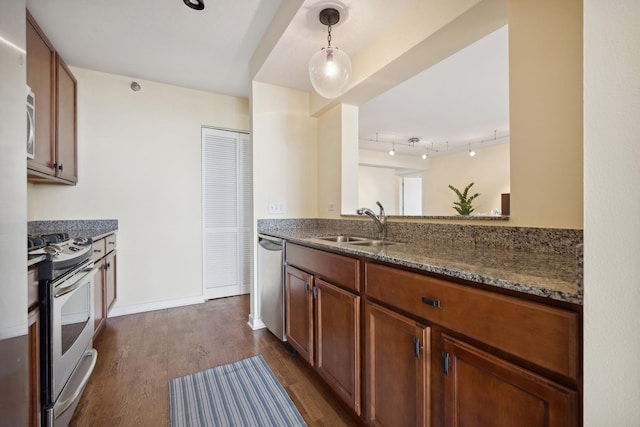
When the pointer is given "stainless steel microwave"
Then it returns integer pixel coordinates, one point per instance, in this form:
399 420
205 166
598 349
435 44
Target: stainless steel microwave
31 123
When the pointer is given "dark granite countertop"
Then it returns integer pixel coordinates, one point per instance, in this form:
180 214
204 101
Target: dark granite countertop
92 228
550 275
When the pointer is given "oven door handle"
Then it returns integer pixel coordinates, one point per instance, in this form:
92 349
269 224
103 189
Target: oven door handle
60 291
61 406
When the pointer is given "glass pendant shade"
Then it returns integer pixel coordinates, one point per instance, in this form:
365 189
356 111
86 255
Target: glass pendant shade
329 71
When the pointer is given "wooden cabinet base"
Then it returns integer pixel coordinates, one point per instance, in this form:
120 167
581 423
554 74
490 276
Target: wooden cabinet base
397 369
483 390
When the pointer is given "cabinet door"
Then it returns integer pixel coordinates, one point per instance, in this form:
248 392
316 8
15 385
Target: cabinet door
110 280
299 311
99 309
337 328
34 368
40 72
66 145
483 390
397 369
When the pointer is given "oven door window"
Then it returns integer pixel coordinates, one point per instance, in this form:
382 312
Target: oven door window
75 316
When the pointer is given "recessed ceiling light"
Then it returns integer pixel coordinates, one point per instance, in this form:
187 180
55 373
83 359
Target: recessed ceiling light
195 4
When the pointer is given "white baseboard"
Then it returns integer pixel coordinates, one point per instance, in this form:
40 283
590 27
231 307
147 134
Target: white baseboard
256 323
160 305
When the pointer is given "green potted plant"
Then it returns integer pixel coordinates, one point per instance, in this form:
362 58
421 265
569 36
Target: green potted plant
463 205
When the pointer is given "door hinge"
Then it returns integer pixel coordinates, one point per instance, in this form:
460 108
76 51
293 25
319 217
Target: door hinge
445 362
416 347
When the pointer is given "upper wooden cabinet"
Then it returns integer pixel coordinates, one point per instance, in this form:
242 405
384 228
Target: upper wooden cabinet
54 87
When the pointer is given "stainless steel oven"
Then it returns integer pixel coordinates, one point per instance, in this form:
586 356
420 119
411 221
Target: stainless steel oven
66 332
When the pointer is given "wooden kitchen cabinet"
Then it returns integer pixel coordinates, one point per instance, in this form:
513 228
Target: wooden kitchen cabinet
524 369
337 333
66 143
99 311
397 369
105 284
435 351
323 319
483 390
34 348
299 312
40 78
55 88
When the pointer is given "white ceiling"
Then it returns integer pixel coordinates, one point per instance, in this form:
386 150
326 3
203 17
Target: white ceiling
461 99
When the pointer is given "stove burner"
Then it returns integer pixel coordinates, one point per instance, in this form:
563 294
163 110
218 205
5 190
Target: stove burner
34 243
81 241
53 249
55 237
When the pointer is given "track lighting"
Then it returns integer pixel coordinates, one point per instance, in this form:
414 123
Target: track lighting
471 152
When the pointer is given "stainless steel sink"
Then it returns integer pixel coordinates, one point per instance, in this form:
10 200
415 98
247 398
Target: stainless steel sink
374 243
344 239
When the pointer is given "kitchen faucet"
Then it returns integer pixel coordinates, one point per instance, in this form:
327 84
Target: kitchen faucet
379 220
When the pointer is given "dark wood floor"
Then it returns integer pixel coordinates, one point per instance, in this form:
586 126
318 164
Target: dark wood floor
138 355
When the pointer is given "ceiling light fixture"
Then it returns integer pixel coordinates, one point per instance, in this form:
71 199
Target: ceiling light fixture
471 152
424 156
135 86
330 68
393 149
195 4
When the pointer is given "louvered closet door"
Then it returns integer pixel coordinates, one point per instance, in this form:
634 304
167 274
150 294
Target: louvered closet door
227 210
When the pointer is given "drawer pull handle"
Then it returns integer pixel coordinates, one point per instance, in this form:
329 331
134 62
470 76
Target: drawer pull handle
431 302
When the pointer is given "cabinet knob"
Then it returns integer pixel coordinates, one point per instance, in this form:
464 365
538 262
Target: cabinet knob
306 287
60 167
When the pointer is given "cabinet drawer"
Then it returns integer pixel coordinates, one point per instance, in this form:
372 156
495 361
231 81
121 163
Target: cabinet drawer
99 249
110 242
336 269
543 335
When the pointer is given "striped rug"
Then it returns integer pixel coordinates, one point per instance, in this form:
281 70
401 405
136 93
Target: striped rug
244 393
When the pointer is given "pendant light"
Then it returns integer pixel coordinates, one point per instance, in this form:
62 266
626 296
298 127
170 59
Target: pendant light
330 68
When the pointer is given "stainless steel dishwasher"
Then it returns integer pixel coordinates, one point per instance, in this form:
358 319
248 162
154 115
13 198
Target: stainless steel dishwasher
271 284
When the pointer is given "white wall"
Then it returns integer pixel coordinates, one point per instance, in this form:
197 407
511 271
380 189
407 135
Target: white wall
611 214
139 156
14 351
488 170
285 161
285 155
13 175
330 163
377 184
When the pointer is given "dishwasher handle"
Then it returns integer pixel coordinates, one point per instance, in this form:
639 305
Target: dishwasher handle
269 244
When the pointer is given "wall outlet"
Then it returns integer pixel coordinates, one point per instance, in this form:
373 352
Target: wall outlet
332 206
277 207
